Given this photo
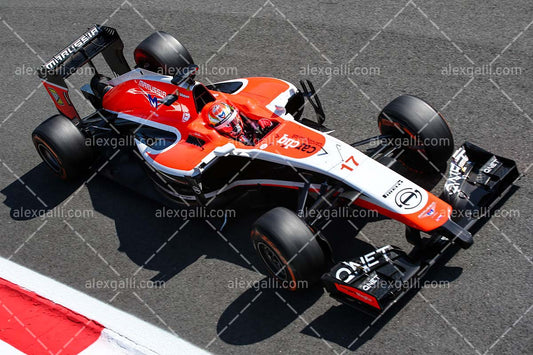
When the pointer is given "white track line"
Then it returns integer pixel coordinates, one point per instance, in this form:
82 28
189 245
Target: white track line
130 330
6 349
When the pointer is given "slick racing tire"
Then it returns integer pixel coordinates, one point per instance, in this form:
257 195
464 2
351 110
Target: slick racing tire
420 130
163 54
62 147
288 248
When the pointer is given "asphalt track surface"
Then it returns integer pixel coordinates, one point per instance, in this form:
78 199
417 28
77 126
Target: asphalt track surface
487 305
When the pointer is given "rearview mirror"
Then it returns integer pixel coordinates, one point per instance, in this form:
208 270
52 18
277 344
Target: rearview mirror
185 74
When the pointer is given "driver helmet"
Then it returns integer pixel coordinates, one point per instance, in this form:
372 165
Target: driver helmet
225 119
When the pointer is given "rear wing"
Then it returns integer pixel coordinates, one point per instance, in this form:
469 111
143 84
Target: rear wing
98 39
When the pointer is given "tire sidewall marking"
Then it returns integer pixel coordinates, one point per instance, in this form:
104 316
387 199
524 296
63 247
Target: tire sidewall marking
39 141
270 244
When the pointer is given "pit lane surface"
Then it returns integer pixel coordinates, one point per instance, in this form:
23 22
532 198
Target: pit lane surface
361 55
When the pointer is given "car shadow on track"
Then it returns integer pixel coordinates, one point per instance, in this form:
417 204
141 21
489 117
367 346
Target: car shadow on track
261 312
168 243
36 193
141 233
140 230
352 329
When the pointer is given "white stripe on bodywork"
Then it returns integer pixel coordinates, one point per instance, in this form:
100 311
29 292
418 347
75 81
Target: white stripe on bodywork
369 176
54 85
281 100
241 80
146 75
146 151
145 122
246 182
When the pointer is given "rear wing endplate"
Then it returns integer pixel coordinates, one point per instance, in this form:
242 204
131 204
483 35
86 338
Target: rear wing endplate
98 39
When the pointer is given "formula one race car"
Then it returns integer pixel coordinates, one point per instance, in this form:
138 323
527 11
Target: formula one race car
207 145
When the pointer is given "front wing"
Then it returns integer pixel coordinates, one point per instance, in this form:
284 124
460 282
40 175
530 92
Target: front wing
372 283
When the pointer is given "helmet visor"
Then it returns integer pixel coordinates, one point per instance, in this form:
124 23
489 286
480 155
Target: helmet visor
231 126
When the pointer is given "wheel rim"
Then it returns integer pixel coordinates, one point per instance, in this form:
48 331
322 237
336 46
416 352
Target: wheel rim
273 261
410 148
405 133
49 158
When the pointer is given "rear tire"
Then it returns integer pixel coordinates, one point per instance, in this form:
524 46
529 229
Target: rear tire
62 147
420 130
163 54
288 248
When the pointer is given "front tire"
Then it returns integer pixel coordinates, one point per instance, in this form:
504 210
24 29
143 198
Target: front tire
288 248
421 130
62 147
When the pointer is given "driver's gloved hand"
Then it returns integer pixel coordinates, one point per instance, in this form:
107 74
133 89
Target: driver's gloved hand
264 123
